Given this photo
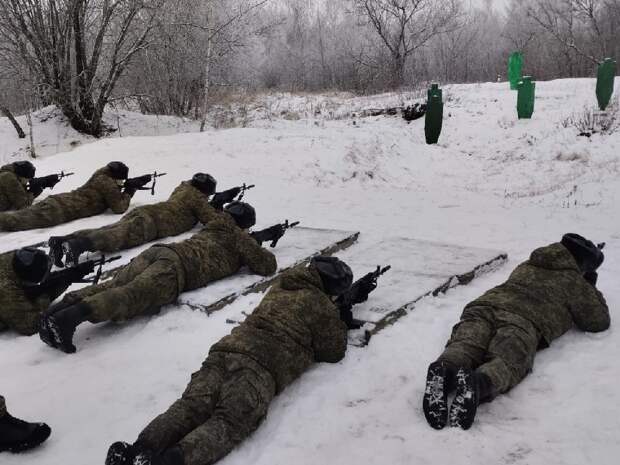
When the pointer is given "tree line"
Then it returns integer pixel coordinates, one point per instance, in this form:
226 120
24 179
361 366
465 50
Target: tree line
178 57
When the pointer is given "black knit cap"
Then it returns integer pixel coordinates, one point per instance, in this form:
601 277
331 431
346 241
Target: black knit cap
587 255
31 265
243 214
24 169
118 170
335 274
204 182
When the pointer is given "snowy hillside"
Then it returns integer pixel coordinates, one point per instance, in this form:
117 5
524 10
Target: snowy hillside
492 182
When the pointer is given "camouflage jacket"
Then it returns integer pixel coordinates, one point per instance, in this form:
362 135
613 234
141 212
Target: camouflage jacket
99 193
220 250
549 290
18 311
13 193
180 213
295 325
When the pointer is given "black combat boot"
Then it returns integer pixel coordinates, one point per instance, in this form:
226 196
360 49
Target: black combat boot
440 380
120 453
56 249
172 456
76 246
17 435
472 388
57 329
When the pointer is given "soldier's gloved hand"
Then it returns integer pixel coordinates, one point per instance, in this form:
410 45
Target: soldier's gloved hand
221 198
229 195
133 184
36 185
84 268
136 183
275 232
50 180
591 277
366 286
259 236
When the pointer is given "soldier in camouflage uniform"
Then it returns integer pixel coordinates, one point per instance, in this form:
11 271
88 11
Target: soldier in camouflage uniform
188 205
28 288
296 325
101 191
159 274
493 347
14 193
19 187
17 435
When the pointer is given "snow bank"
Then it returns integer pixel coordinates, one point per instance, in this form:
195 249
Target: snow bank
492 182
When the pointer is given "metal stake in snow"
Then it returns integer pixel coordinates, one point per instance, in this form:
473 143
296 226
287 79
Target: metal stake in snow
605 82
434 114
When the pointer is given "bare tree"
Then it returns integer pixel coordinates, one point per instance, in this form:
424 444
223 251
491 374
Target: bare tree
575 24
76 49
405 26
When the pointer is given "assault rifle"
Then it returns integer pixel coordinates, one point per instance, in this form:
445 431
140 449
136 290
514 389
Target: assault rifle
87 266
358 293
152 177
36 185
273 233
219 199
244 188
62 174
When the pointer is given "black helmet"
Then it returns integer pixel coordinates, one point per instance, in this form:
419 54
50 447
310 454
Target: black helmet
24 169
335 274
31 265
243 214
204 182
118 170
588 256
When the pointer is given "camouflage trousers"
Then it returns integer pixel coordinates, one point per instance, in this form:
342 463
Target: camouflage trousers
132 230
44 214
151 280
225 401
500 344
3 411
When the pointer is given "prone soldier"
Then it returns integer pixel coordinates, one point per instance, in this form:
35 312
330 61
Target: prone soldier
28 287
159 274
188 205
493 347
19 187
296 325
18 435
102 191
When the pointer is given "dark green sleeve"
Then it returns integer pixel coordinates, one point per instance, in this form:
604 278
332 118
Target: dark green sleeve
116 200
203 210
329 333
258 259
23 314
16 193
588 307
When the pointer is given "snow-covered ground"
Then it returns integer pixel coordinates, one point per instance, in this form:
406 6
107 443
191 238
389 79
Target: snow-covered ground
492 182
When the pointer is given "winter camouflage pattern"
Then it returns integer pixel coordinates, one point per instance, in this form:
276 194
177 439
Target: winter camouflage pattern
13 193
500 344
18 311
294 326
180 213
158 275
225 401
543 298
99 193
